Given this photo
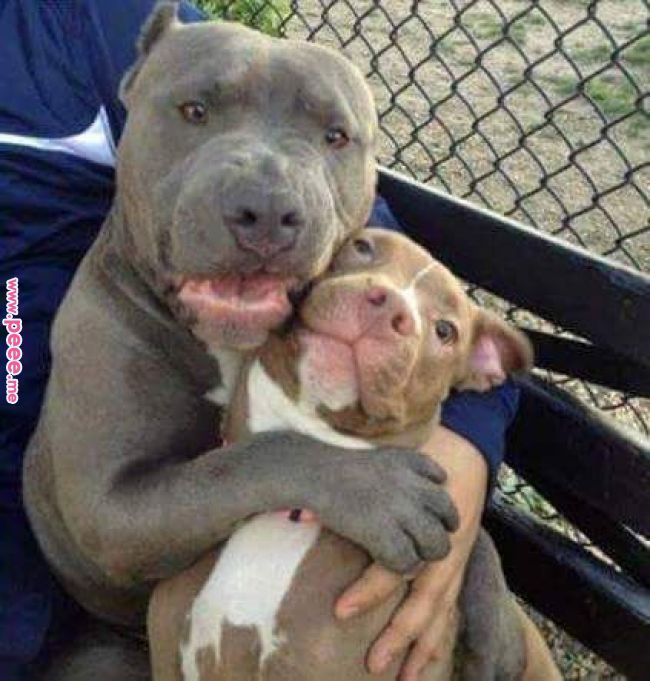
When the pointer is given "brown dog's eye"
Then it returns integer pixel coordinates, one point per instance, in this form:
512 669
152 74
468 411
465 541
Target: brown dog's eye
364 248
446 331
194 112
359 252
337 138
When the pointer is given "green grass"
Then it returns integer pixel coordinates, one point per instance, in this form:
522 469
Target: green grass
563 85
637 125
484 26
595 54
536 19
633 27
614 96
638 53
519 29
260 14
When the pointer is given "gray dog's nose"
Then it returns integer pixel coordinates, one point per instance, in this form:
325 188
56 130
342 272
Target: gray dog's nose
265 225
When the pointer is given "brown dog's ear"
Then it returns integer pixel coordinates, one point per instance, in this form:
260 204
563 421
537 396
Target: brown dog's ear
162 18
498 349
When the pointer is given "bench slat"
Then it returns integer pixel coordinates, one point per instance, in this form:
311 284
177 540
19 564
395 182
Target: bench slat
556 438
590 363
606 611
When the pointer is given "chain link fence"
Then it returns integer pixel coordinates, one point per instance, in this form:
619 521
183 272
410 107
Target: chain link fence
537 109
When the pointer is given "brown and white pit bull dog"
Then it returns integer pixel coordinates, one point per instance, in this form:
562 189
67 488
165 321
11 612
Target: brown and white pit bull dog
381 340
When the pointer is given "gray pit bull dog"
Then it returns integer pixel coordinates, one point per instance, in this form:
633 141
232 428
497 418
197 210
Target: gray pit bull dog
244 164
381 339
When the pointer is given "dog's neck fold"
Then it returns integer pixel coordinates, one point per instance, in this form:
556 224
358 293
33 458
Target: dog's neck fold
278 361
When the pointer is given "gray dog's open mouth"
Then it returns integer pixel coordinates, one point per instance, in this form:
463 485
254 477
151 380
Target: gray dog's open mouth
236 310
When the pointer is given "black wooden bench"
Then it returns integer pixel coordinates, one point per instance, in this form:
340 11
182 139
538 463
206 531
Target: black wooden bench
596 473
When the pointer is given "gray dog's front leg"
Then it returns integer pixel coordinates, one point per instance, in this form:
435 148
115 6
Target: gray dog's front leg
123 488
150 523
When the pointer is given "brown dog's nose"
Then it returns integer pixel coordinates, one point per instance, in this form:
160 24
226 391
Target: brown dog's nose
390 310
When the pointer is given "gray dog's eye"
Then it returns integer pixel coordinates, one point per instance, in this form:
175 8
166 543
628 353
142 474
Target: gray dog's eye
446 331
336 138
194 112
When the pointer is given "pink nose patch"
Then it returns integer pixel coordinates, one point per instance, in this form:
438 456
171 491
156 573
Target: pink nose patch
389 310
403 324
376 296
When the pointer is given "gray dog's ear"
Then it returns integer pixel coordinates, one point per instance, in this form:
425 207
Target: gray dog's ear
163 17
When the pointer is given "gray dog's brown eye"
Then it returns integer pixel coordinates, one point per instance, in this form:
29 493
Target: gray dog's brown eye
194 112
336 138
446 331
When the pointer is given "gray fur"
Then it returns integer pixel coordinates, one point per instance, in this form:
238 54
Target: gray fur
491 637
124 484
163 16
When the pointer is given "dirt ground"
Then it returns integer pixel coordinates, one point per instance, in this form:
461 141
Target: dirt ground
416 58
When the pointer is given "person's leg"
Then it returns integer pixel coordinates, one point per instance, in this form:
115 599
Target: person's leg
540 665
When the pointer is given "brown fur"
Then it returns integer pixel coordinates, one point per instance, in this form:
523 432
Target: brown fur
490 637
409 394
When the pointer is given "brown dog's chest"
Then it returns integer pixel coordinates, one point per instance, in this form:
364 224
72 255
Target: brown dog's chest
310 644
268 601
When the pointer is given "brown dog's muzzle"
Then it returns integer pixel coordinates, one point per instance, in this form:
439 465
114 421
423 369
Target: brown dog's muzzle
370 324
388 312
354 308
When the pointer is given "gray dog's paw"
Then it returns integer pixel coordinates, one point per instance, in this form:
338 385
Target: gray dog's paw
390 502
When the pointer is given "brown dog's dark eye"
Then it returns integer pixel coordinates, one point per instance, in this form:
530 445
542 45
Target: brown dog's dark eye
446 331
359 252
337 138
194 112
364 248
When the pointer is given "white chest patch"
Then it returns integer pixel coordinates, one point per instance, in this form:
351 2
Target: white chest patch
271 409
247 586
256 567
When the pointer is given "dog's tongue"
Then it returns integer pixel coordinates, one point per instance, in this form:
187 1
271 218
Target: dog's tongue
236 310
256 293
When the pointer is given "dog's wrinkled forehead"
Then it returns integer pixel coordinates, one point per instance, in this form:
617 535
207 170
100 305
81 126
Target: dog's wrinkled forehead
408 267
226 63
